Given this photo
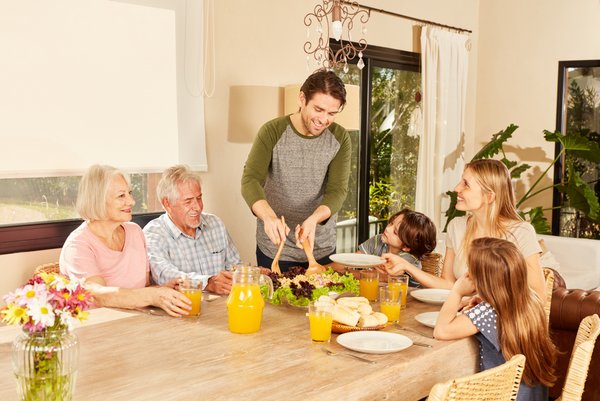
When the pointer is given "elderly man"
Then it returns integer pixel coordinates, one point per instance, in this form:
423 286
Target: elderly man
186 241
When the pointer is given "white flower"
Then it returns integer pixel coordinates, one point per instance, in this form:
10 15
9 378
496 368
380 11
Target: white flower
41 312
29 293
66 319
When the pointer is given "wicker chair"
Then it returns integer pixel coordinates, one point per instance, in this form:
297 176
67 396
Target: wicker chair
589 328
47 268
500 383
432 263
549 277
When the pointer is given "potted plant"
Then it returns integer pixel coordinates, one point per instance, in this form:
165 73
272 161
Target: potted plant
580 194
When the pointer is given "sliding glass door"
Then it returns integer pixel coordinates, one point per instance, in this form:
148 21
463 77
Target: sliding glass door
385 149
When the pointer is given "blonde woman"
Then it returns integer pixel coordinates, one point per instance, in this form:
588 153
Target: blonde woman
109 251
485 193
510 318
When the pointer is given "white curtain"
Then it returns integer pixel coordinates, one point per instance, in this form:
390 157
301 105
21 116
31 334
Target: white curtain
444 79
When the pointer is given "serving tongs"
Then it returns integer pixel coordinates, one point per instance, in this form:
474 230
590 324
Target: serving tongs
275 265
313 266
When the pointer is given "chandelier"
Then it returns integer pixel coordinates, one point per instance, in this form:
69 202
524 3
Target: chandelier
342 15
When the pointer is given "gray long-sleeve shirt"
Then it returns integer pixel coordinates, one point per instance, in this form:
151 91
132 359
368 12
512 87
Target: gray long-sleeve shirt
295 174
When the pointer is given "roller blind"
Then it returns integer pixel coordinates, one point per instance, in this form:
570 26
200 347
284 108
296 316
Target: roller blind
99 81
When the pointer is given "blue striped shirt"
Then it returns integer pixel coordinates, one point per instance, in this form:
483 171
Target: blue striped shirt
173 253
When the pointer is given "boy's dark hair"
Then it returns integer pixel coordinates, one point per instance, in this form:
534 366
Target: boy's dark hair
323 81
416 231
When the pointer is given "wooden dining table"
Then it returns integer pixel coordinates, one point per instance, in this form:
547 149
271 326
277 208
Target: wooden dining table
146 355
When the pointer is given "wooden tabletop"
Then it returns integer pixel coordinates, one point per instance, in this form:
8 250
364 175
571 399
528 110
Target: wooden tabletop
149 356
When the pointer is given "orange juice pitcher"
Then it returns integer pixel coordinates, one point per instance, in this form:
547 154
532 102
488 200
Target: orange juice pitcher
245 302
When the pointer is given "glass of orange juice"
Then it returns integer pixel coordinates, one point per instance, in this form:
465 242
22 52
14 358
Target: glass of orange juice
320 317
192 289
397 283
369 284
390 303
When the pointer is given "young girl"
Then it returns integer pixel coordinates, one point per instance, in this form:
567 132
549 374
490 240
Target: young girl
510 318
409 235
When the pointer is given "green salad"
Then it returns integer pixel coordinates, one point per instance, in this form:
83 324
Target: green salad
295 288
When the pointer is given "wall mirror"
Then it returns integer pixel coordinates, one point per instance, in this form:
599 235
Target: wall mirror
578 111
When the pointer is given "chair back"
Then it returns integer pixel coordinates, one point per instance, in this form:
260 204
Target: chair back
50 268
497 384
549 276
588 332
432 263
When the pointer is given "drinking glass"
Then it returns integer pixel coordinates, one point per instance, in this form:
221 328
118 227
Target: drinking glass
396 283
192 289
390 303
320 316
369 284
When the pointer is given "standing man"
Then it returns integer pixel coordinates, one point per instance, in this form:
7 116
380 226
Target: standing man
185 241
298 168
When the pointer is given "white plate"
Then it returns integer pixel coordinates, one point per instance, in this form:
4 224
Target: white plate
356 259
428 318
436 296
374 342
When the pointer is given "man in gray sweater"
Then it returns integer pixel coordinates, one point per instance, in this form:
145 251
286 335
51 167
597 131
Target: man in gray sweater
298 168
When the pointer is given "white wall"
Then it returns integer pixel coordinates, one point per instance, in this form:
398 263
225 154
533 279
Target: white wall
17 268
520 45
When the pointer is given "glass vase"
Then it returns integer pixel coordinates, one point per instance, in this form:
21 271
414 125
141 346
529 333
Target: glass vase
45 365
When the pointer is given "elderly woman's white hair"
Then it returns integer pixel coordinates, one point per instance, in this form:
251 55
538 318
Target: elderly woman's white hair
93 191
171 178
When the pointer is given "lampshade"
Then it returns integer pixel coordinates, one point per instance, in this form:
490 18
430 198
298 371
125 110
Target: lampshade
249 108
349 118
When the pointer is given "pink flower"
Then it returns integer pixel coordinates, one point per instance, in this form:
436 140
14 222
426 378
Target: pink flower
47 301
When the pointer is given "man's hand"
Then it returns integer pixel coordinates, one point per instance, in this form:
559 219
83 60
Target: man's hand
275 229
306 232
309 226
220 284
174 283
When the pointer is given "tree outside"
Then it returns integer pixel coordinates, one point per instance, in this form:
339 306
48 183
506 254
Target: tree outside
394 143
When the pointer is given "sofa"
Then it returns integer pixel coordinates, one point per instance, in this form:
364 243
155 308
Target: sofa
568 308
572 300
576 259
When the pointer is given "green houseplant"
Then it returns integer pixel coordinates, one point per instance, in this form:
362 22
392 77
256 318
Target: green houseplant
580 194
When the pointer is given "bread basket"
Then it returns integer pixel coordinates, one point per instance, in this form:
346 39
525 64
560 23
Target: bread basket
342 328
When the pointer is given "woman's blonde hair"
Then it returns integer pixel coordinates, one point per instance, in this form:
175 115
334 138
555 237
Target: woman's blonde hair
494 178
168 185
93 191
499 273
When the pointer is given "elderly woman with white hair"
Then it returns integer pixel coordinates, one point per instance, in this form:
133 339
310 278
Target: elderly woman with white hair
109 251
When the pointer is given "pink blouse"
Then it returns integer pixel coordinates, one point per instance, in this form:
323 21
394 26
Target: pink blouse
85 255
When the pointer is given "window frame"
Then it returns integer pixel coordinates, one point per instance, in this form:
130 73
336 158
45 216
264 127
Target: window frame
559 167
30 237
373 56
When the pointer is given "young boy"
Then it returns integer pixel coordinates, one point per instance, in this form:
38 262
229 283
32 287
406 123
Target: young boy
409 234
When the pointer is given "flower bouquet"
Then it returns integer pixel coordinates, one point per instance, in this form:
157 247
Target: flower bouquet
297 289
45 354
